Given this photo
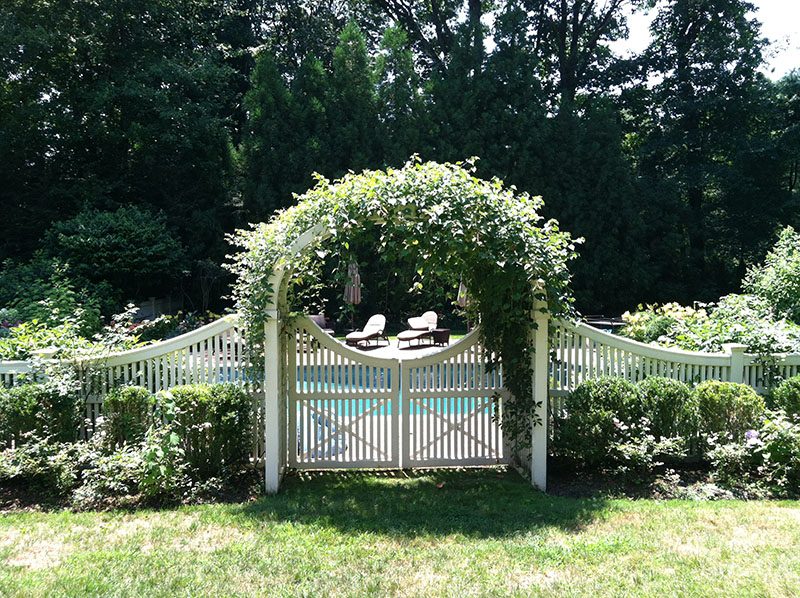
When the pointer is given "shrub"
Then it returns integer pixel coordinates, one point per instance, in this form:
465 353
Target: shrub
727 409
213 423
127 414
746 319
48 467
767 461
131 248
778 279
43 410
108 475
787 396
669 406
599 413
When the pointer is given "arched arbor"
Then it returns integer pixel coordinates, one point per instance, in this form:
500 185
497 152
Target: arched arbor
453 225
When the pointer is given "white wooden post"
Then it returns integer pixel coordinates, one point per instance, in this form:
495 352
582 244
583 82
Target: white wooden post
272 404
736 353
541 382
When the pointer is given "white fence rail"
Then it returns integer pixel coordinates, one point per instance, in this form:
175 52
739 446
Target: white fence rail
580 352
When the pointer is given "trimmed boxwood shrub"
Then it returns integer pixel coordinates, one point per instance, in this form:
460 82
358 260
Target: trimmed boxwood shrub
787 396
669 405
39 409
728 409
214 426
597 411
127 413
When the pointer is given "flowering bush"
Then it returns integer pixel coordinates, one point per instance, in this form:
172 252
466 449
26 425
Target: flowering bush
765 462
744 319
777 280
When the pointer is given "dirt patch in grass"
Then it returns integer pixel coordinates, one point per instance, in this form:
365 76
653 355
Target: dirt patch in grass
40 555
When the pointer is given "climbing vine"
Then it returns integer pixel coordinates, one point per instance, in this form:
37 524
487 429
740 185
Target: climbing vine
454 226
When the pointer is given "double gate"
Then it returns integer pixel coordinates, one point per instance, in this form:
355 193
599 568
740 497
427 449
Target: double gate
349 409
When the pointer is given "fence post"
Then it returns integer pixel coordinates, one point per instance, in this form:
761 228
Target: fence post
272 431
735 352
541 383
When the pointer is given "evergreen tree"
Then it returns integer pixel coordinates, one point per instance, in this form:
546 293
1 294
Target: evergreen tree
352 107
267 142
400 105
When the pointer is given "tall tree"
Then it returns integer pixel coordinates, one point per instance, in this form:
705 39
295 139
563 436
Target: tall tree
400 104
706 54
352 109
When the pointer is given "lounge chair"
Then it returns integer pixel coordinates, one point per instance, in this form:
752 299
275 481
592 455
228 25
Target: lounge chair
419 328
374 329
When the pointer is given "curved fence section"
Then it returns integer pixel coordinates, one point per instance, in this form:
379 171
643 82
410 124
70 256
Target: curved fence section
212 354
579 352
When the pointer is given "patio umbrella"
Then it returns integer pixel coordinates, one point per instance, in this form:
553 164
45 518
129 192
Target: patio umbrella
462 297
352 289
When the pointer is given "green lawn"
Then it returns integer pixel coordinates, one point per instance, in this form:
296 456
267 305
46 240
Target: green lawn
482 533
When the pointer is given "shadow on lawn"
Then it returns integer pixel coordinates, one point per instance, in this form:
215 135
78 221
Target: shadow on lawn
480 503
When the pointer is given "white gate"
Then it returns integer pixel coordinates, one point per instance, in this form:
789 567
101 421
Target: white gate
452 406
343 405
349 409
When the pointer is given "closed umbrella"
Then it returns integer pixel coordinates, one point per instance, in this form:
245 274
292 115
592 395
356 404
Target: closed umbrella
352 290
462 294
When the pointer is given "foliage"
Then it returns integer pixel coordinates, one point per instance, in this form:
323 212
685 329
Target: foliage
47 291
49 467
787 396
455 227
745 319
213 424
43 410
107 475
767 460
600 412
670 407
163 459
127 414
131 249
727 410
649 323
777 280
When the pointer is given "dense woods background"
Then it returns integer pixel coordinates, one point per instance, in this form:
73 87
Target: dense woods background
135 134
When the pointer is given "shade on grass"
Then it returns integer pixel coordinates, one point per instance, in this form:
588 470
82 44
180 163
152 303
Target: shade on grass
482 533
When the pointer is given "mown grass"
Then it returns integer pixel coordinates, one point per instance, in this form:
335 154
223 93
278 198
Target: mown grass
483 533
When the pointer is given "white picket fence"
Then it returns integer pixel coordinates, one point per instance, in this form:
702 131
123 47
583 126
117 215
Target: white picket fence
580 352
350 409
212 354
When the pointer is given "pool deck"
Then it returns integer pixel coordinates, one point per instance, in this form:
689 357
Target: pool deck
392 351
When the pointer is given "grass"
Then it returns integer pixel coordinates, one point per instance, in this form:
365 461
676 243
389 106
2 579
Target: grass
482 533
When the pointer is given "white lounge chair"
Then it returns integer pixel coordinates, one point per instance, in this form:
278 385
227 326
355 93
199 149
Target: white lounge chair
374 329
419 328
